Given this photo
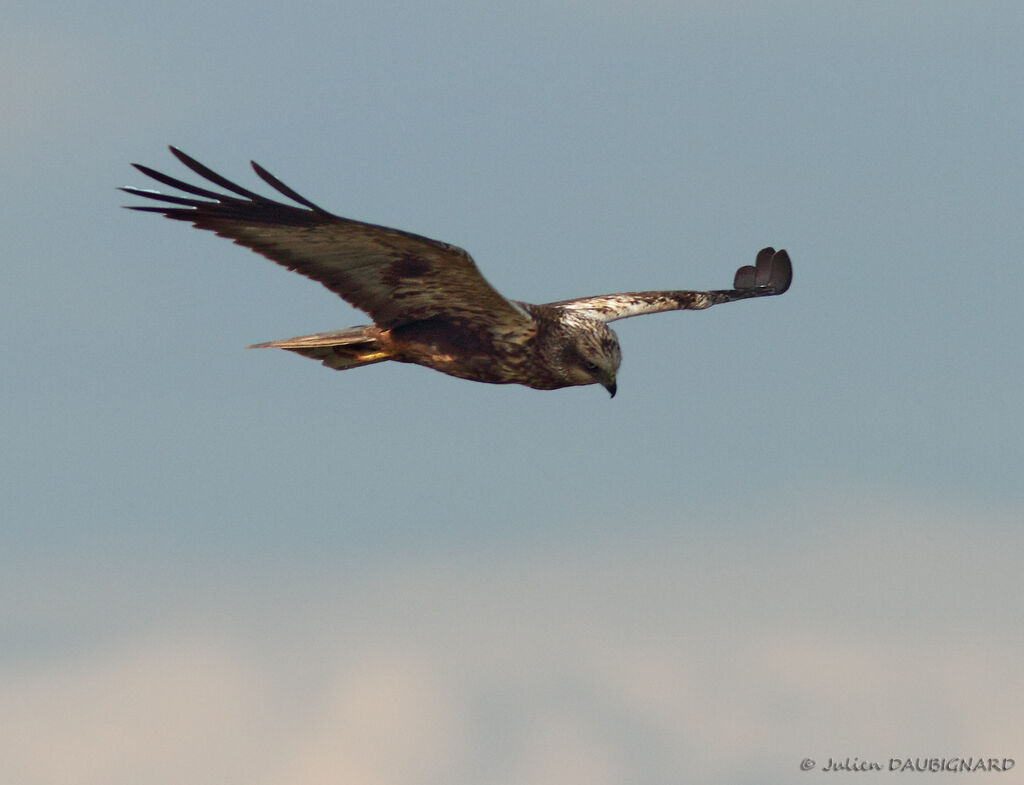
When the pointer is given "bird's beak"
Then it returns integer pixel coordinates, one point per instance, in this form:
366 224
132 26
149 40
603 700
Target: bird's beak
610 386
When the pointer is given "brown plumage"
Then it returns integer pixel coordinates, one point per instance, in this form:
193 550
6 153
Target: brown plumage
429 303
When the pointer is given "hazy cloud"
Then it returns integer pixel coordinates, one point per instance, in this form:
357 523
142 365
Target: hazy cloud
658 662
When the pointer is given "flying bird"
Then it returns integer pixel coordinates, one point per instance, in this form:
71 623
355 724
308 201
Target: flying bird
429 303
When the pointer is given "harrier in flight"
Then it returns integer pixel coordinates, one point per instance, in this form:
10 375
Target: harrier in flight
429 303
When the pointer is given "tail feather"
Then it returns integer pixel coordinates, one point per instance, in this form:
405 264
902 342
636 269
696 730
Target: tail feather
340 349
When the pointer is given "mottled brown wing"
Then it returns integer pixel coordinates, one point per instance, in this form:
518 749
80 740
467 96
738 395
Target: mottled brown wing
397 277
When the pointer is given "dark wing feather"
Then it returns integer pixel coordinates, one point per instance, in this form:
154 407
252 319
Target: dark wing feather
771 274
397 277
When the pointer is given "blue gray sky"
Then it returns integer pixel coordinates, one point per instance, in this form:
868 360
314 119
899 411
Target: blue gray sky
795 532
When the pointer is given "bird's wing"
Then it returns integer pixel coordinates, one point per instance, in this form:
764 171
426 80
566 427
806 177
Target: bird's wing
397 277
771 274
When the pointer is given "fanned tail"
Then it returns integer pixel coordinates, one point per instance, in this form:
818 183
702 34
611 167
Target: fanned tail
340 349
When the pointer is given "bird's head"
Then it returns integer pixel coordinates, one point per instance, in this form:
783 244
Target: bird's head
591 354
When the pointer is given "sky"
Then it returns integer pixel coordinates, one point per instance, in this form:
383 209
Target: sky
794 535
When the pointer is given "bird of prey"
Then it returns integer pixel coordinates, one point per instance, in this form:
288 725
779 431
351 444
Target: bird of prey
429 303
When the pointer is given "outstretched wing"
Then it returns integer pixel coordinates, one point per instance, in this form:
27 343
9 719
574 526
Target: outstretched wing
397 277
771 274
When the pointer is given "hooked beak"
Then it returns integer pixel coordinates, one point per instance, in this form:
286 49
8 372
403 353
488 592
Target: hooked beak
610 386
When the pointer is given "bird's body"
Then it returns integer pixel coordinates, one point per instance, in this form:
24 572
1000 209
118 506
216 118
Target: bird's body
532 356
429 303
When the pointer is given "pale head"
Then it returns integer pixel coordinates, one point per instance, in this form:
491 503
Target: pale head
588 352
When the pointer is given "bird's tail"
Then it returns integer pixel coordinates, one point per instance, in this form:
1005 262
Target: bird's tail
341 349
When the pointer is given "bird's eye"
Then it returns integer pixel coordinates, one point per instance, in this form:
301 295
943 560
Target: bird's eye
590 367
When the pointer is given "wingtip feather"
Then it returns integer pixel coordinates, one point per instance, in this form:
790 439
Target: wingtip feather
781 273
771 273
